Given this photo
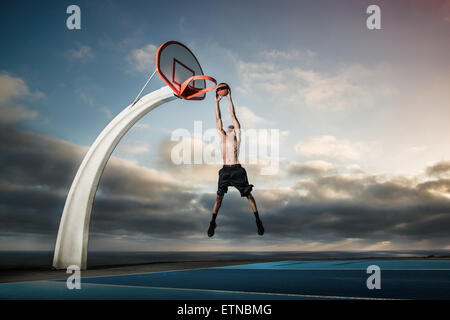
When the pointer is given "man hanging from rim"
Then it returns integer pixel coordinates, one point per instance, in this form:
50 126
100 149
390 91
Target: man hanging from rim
232 173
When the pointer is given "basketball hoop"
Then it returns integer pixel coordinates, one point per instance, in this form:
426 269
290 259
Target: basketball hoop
181 71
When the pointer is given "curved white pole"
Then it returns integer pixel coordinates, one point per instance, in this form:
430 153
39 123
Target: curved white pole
73 233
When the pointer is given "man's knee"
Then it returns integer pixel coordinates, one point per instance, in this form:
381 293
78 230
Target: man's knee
219 198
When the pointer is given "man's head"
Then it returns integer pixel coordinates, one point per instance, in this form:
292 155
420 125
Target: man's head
230 129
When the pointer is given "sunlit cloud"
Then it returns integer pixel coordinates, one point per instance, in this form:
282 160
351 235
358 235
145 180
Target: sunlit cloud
350 87
82 53
287 55
143 59
316 167
13 91
330 147
133 147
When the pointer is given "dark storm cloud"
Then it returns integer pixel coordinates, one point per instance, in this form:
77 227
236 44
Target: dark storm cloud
366 207
336 208
367 189
29 211
36 172
439 168
33 160
119 216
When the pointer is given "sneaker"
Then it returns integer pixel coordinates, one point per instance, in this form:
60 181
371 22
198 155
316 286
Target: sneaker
260 227
212 226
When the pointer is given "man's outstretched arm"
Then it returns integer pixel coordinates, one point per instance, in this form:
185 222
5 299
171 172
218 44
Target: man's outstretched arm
219 124
236 123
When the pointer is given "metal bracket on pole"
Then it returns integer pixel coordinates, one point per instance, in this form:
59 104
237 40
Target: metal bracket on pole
145 85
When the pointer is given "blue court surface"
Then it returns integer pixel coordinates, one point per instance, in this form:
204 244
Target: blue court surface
316 280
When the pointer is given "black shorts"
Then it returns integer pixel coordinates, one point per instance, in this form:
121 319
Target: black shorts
235 176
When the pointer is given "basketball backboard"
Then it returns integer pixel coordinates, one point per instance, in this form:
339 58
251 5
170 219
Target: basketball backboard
180 69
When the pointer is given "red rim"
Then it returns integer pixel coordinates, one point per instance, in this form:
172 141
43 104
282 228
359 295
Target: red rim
189 93
165 44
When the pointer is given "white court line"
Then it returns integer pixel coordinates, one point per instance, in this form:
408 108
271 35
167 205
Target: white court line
65 276
228 268
338 269
245 292
138 273
218 268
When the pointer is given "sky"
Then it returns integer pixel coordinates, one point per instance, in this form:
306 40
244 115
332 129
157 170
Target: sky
362 116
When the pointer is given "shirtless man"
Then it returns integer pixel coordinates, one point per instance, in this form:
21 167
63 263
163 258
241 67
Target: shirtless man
232 173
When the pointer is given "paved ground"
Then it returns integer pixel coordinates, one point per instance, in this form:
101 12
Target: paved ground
32 274
306 279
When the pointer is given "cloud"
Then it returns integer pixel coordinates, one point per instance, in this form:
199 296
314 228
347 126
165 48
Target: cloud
143 59
133 147
40 169
438 187
289 84
440 169
140 207
12 90
24 152
15 114
337 208
202 170
317 167
195 173
416 149
81 53
248 119
287 55
106 111
89 100
330 147
316 91
330 92
141 126
11 87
